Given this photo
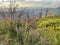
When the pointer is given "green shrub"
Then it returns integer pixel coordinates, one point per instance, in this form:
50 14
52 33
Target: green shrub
49 27
45 31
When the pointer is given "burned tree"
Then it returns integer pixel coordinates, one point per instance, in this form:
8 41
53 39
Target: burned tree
46 13
12 10
40 14
28 17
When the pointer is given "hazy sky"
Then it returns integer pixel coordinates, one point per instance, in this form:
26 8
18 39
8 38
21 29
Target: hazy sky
30 0
29 3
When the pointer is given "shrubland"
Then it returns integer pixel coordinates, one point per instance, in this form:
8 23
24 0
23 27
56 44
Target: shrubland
44 31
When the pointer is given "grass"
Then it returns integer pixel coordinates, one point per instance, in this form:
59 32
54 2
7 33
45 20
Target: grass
45 31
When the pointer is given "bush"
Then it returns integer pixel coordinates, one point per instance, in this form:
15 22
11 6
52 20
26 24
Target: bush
45 31
49 28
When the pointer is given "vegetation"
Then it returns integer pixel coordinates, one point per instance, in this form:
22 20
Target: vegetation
28 31
49 28
44 31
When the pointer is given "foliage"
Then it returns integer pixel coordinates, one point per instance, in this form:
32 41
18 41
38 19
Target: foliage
45 31
49 28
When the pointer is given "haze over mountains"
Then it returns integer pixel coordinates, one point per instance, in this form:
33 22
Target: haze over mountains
34 6
35 10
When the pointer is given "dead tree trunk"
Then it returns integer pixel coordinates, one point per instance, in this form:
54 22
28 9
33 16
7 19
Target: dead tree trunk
12 10
46 13
40 14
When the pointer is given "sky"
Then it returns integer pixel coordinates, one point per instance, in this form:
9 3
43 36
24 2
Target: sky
32 3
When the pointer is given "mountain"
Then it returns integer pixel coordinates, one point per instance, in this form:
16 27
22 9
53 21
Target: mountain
35 10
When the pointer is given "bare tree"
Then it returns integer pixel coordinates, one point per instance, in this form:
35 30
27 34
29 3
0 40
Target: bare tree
12 10
28 16
40 14
46 13
20 14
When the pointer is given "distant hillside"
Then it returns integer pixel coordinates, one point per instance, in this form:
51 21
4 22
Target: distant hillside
35 10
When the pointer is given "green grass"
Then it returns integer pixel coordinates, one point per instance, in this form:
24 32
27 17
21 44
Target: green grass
45 31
